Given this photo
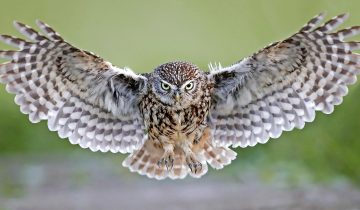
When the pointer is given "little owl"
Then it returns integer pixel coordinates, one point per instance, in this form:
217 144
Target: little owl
178 119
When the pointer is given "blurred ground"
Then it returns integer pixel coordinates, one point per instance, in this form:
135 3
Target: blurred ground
92 183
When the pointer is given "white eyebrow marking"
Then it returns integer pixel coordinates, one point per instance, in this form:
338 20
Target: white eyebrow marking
171 85
187 82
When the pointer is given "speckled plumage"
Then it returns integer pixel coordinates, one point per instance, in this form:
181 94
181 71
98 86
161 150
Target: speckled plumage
177 126
178 119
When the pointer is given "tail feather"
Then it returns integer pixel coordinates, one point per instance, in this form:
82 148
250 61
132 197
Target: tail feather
144 161
218 157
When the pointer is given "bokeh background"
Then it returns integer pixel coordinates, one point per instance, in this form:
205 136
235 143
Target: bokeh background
314 167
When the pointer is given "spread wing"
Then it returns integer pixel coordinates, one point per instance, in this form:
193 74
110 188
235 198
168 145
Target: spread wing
83 97
281 86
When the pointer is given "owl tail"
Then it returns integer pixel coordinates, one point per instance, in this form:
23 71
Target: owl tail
216 156
144 161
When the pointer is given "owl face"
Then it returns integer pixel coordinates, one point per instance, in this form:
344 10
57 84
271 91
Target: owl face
178 84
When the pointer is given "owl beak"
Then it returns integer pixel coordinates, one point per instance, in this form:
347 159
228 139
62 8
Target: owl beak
177 97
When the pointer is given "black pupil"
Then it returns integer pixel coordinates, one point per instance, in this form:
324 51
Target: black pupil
188 85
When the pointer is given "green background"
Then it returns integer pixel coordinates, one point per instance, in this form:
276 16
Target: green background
144 34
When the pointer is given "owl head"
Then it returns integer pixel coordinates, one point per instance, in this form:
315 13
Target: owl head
178 84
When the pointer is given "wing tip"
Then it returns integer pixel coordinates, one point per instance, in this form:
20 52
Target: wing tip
345 15
322 14
19 26
16 22
39 23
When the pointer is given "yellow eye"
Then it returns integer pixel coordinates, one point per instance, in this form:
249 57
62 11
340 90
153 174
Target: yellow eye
165 86
189 86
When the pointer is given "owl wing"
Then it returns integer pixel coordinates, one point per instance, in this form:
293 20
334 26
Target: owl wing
83 97
280 87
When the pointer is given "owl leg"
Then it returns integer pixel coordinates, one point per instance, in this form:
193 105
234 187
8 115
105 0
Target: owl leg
198 145
168 157
200 135
190 158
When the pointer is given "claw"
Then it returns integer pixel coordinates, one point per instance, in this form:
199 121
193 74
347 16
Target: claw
194 165
190 166
167 161
159 163
198 166
172 163
166 164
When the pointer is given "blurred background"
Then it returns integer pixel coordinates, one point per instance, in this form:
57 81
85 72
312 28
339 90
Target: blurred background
313 168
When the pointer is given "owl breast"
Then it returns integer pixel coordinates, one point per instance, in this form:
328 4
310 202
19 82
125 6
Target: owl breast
166 124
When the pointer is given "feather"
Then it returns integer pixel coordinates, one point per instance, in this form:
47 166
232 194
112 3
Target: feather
280 87
83 97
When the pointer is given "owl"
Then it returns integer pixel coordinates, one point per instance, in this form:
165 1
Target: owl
178 119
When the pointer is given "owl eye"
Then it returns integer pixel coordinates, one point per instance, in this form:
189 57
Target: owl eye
189 86
165 86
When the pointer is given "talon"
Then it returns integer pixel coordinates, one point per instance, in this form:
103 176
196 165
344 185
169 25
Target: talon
167 161
166 164
159 163
172 163
198 167
194 165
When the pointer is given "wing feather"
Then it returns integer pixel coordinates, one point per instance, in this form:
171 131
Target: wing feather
280 87
83 97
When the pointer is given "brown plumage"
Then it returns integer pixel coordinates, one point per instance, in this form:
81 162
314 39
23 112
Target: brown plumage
176 126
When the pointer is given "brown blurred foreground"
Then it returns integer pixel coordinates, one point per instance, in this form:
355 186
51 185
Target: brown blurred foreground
94 183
